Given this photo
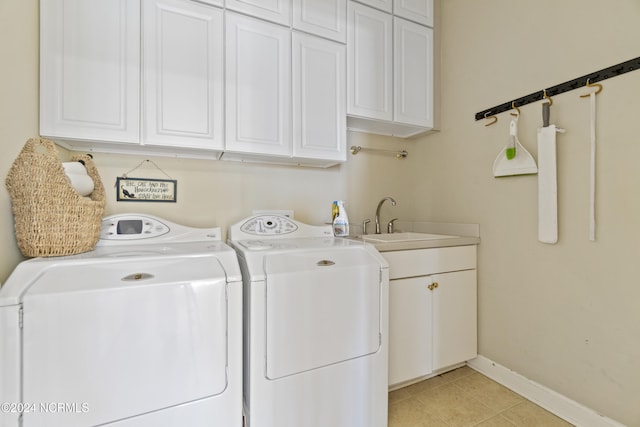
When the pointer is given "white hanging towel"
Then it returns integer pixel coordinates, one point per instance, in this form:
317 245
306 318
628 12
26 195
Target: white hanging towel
547 185
592 164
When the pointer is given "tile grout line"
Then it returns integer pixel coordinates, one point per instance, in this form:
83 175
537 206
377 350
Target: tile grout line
494 413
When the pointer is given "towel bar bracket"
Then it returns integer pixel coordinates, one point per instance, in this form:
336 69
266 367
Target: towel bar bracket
402 154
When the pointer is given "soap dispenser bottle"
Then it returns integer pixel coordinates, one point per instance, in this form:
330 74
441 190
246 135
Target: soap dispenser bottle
341 221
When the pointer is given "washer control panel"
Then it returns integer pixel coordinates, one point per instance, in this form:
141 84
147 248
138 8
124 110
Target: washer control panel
271 226
132 228
268 225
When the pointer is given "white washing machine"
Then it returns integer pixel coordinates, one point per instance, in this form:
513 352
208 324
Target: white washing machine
144 331
315 326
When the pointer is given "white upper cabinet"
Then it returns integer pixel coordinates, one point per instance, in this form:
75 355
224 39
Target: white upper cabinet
183 97
258 72
193 78
370 63
389 73
90 70
413 72
278 11
319 116
325 18
385 5
420 11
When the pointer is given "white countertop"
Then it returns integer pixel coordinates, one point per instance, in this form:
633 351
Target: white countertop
456 235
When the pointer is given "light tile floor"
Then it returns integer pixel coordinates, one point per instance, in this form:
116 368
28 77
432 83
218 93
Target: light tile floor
462 398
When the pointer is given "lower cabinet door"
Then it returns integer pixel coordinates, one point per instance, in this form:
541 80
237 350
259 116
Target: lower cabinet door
454 318
410 329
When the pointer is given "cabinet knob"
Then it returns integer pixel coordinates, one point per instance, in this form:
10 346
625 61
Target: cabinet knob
435 285
430 287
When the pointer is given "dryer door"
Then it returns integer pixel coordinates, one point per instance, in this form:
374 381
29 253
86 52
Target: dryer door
116 339
323 307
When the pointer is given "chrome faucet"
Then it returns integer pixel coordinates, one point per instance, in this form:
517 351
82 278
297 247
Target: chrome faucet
393 203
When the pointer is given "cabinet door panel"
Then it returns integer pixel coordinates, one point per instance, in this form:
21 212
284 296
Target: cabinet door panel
319 118
413 68
277 11
183 74
385 5
454 318
410 329
258 72
369 63
420 11
326 18
90 69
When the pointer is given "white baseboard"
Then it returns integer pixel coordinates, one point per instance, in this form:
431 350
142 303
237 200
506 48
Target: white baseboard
550 400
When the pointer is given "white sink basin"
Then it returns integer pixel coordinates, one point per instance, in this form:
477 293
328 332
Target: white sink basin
403 237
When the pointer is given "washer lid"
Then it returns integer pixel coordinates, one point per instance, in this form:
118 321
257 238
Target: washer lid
124 273
321 307
252 252
146 336
107 265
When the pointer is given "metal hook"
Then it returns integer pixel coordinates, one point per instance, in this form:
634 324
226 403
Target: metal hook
597 85
545 96
495 119
513 106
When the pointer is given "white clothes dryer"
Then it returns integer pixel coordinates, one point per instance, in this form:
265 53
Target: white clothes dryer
144 331
315 326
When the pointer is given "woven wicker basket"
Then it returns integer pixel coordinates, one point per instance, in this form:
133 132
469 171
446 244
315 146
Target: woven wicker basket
51 218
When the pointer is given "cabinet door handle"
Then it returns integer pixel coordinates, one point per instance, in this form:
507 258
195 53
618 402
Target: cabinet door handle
435 285
430 287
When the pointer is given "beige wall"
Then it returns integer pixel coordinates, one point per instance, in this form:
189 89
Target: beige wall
564 315
220 193
18 105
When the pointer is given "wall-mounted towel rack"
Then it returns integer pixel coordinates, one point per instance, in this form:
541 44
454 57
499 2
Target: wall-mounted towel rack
355 149
605 73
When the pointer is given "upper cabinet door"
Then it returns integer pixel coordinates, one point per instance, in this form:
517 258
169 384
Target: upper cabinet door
319 116
277 11
183 74
258 73
420 11
326 18
413 69
212 2
369 63
90 69
385 5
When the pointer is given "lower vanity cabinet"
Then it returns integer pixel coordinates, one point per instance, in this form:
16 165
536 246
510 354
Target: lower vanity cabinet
432 310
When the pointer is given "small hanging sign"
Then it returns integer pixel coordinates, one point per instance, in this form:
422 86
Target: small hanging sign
146 190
